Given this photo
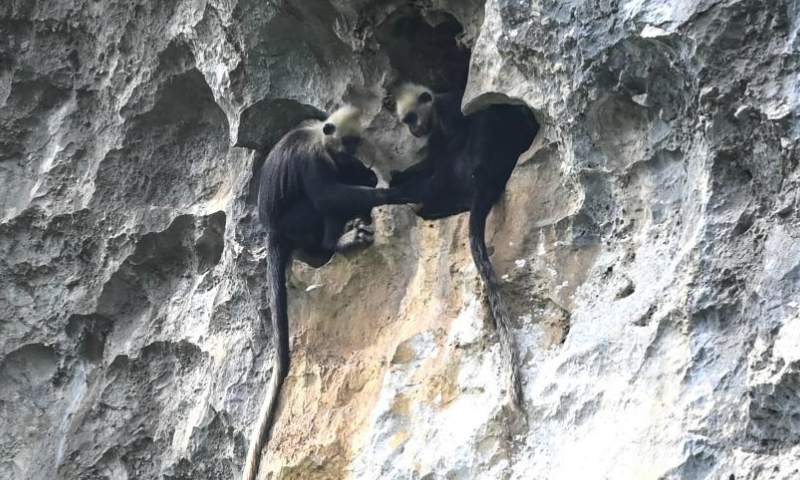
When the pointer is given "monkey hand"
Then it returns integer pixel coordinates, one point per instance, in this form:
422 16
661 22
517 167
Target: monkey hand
358 235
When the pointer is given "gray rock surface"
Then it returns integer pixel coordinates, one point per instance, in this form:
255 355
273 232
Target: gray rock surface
649 240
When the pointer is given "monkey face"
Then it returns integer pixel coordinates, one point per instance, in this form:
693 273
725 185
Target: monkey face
419 119
340 141
350 144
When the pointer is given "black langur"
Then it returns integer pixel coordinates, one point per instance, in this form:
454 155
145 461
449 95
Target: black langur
312 187
468 162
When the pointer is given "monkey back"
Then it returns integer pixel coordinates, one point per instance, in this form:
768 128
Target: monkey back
281 182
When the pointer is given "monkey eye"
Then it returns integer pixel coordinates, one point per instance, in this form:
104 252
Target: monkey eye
425 97
328 129
410 118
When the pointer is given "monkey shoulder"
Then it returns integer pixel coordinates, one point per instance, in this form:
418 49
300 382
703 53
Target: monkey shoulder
294 158
449 103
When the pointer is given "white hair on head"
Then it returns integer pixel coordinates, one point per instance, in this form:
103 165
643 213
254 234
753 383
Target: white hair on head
408 97
347 120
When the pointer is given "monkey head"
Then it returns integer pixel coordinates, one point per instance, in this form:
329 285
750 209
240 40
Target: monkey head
341 132
415 109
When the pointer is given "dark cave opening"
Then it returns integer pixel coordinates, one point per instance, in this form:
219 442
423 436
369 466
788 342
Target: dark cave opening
424 49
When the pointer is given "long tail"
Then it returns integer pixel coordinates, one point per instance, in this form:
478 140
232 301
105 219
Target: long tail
277 260
477 226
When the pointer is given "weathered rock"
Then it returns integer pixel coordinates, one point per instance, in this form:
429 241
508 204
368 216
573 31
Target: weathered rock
649 241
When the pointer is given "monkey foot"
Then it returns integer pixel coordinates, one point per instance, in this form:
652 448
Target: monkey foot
358 234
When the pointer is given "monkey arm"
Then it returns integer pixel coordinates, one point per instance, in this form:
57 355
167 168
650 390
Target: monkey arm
349 200
353 172
364 178
321 184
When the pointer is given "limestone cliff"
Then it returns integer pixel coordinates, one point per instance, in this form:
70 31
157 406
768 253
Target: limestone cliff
649 241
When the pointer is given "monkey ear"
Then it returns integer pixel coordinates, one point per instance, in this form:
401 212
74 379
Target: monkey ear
425 97
328 129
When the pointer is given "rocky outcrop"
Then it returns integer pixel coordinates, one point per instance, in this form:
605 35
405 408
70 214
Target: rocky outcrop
648 240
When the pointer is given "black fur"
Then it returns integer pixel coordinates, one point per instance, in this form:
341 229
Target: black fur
468 163
306 196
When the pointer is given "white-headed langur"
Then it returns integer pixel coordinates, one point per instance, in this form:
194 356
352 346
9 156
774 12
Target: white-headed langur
314 199
468 162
